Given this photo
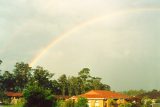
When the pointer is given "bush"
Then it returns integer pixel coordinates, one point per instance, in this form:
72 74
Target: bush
59 103
6 101
146 102
37 96
3 98
82 102
157 100
69 103
62 103
126 105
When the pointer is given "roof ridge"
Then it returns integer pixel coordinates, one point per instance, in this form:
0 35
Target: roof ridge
103 94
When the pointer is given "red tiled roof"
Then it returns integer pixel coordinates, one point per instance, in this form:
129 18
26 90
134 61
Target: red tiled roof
103 94
14 94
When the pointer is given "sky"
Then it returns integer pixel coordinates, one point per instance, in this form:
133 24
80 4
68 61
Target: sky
118 40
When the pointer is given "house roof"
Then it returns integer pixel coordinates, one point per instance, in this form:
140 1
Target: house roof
14 94
103 94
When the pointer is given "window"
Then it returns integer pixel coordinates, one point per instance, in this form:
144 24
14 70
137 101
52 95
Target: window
89 103
96 103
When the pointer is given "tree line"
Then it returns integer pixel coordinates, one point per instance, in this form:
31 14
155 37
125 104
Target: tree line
23 75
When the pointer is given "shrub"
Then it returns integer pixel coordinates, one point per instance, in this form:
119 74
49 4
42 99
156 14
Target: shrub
126 105
3 98
62 103
82 102
59 103
69 103
146 102
157 100
37 96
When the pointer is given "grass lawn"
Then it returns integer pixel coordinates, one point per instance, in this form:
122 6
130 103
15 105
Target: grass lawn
17 105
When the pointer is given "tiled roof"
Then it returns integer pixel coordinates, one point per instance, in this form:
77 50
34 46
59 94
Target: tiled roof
14 94
103 94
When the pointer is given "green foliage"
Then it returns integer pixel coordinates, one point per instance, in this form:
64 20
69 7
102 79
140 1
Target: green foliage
42 76
154 94
157 100
96 84
82 102
37 96
69 103
16 105
0 76
112 102
74 84
8 81
125 105
54 86
22 74
0 64
134 92
84 74
0 61
63 83
59 103
146 102
5 100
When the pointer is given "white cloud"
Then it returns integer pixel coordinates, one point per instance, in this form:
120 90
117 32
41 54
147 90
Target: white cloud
122 45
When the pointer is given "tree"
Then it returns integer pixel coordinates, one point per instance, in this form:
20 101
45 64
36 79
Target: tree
74 85
105 87
2 96
98 85
22 74
134 92
84 75
38 96
42 76
70 85
0 64
1 78
0 70
63 83
8 81
55 87
0 61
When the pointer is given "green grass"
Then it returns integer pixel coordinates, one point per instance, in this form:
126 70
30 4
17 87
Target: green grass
17 105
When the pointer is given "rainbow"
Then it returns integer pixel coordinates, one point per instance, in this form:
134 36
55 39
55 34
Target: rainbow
82 25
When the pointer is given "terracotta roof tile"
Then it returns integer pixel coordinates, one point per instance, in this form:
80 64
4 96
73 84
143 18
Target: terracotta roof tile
14 94
103 94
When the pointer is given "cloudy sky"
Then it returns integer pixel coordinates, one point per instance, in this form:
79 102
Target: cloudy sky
119 40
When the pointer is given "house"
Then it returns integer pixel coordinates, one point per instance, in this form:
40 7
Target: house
103 98
15 96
